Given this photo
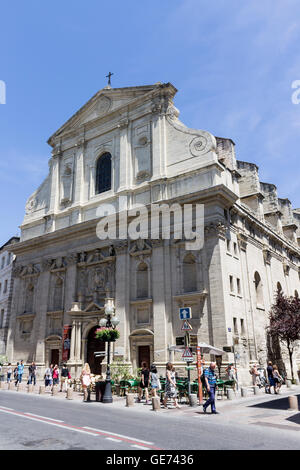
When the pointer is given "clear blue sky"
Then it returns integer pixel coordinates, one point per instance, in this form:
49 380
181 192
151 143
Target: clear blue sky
233 62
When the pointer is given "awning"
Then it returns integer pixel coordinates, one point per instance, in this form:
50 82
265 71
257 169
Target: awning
208 349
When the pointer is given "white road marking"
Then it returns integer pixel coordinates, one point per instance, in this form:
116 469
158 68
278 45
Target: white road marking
139 447
119 435
113 439
11 409
44 417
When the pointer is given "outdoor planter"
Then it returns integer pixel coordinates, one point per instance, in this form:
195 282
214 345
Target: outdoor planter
107 334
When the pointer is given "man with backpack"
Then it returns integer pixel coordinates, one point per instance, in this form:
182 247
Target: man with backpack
210 382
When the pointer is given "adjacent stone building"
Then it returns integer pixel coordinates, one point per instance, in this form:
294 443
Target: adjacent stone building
127 146
6 289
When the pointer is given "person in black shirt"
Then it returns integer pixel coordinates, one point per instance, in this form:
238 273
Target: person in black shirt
64 376
32 373
144 384
270 376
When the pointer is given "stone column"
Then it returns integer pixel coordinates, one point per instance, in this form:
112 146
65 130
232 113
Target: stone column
73 339
122 303
160 324
158 144
124 167
78 341
41 315
216 278
54 169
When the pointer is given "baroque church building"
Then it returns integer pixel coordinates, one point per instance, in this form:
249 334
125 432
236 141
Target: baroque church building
127 146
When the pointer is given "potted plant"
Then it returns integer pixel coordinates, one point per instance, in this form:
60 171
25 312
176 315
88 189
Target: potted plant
107 334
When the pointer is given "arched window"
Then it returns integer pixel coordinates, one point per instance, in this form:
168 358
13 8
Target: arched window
258 289
189 274
103 173
142 290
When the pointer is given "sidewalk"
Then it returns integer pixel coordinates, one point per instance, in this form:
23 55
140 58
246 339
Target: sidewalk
279 402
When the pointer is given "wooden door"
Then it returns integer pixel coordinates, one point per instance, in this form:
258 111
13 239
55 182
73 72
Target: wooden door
144 356
94 345
55 356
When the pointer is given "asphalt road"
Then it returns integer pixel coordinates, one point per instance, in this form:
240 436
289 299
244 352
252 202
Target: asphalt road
39 423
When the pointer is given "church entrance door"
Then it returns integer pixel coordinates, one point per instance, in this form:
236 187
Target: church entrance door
94 345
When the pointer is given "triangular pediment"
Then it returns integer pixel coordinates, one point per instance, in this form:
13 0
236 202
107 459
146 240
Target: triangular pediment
93 307
103 103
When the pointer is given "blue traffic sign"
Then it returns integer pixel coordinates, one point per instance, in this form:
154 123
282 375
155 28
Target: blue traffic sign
185 313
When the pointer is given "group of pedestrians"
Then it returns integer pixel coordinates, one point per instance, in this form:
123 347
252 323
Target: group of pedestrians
267 378
54 376
150 379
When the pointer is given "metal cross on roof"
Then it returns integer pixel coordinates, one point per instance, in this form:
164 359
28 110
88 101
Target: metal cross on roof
109 77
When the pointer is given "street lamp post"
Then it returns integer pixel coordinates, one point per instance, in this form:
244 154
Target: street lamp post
111 321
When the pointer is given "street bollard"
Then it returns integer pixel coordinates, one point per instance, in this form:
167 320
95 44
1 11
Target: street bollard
256 390
11 386
54 390
288 383
244 391
155 404
293 403
42 389
193 399
30 388
297 382
69 395
130 399
230 394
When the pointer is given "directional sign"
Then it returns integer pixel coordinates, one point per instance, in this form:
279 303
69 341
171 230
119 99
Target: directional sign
186 326
187 355
185 313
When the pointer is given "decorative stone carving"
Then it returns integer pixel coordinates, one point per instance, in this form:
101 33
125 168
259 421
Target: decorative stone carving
216 229
30 270
123 123
103 105
72 258
286 268
139 246
121 247
267 255
198 146
242 241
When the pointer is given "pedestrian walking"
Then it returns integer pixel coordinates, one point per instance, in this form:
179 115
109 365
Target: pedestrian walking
20 371
171 387
64 377
210 382
144 383
9 372
55 375
231 374
270 377
16 374
48 376
85 378
154 380
277 379
255 374
32 374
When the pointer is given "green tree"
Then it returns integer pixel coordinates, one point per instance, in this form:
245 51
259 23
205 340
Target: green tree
285 323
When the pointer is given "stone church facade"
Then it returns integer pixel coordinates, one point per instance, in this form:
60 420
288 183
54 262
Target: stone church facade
125 147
